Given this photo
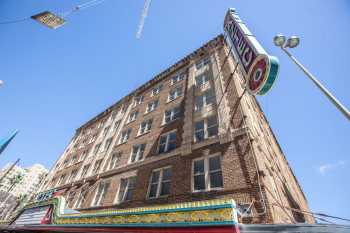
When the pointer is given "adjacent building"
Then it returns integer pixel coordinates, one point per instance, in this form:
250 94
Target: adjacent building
18 185
190 133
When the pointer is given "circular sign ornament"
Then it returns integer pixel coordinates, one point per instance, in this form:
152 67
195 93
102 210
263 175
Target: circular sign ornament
262 74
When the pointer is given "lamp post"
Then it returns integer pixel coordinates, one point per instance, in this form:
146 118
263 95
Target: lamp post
292 42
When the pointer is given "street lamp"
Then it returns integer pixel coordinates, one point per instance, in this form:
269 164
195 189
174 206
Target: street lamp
292 42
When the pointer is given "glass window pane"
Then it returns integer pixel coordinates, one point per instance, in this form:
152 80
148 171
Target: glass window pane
129 195
198 166
214 163
199 136
199 125
172 136
163 139
216 179
212 131
199 182
161 148
155 176
165 189
153 190
167 174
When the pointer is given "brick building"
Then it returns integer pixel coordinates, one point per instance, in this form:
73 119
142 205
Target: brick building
190 133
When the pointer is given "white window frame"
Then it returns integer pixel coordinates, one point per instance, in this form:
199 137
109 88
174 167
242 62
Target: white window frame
80 200
60 180
98 146
104 190
133 116
206 173
204 97
82 175
139 153
118 156
177 78
147 128
167 134
156 90
83 155
206 131
108 140
172 114
159 183
138 100
99 167
116 125
203 82
203 62
71 178
117 201
176 92
151 106
124 137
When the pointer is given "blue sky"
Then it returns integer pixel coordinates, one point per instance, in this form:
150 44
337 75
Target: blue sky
55 80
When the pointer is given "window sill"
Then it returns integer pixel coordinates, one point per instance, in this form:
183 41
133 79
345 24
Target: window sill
148 112
168 123
207 190
169 101
156 198
140 135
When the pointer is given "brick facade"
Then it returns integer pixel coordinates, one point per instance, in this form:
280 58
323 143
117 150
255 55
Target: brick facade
253 170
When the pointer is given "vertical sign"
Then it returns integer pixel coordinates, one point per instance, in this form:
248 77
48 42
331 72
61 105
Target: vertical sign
259 69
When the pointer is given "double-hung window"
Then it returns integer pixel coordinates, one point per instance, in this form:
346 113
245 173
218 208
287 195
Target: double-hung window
97 148
125 136
202 80
145 126
202 63
65 163
81 199
138 100
100 193
160 182
175 93
133 116
205 128
105 131
72 175
177 78
115 160
126 189
108 144
152 106
206 98
207 173
167 142
156 90
116 125
83 155
97 166
137 153
73 159
62 179
85 170
172 114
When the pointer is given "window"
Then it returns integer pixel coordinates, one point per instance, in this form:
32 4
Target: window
177 78
72 176
152 106
137 153
207 98
101 124
172 114
93 138
156 90
201 80
125 136
116 125
115 160
133 116
160 182
114 115
100 193
97 166
83 155
207 174
65 163
81 199
108 143
61 180
205 128
126 189
74 159
167 142
97 148
85 170
203 63
105 131
138 100
173 94
145 127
